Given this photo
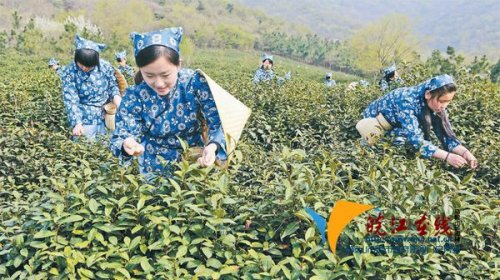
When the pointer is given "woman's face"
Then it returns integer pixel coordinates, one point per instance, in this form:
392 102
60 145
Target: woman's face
160 75
396 75
123 62
267 64
438 104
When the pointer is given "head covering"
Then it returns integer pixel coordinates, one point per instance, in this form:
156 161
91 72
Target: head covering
266 56
121 55
168 37
390 69
438 82
53 61
81 43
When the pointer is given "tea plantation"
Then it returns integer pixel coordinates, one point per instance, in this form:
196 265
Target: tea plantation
70 211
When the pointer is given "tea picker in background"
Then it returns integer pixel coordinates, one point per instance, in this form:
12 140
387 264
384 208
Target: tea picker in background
169 105
329 81
391 79
88 83
265 72
123 67
54 65
409 113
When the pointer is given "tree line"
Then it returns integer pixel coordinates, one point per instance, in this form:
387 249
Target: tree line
223 24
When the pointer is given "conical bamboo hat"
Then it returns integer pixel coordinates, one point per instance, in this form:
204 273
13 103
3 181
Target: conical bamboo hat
233 114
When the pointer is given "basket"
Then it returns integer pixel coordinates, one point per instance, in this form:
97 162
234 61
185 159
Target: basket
121 81
109 117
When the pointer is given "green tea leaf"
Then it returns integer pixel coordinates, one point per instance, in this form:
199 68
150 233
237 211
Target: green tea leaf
146 266
71 219
290 229
134 243
93 205
181 251
44 234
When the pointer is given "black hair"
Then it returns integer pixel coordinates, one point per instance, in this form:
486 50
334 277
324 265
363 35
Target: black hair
119 59
444 125
389 76
87 57
152 53
270 61
138 78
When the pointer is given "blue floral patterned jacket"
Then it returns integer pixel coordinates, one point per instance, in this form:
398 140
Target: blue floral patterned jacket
403 109
330 83
84 94
60 72
158 121
127 70
262 75
387 86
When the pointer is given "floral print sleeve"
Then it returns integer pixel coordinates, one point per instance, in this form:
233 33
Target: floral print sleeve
126 70
383 85
409 122
112 82
71 99
128 124
262 75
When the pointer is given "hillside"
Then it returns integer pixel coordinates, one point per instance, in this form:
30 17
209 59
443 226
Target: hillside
47 28
203 18
470 27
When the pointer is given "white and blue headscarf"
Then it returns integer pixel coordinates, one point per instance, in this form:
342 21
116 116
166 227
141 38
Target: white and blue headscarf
81 43
121 55
53 61
266 56
168 37
438 82
389 69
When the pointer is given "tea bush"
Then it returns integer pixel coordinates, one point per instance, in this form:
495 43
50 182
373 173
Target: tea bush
70 211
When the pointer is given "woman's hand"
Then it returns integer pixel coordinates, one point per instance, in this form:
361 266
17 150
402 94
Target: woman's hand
455 160
78 130
208 156
132 148
471 159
